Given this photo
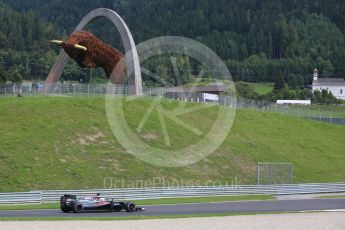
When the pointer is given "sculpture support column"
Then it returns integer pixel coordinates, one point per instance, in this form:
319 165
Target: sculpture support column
132 59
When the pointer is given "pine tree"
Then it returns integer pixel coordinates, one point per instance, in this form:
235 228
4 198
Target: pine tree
279 82
16 76
2 75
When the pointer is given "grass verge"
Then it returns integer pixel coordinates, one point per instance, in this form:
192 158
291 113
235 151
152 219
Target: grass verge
334 196
203 199
66 143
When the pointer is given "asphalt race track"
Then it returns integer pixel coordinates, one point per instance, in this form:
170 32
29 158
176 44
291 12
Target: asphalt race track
222 207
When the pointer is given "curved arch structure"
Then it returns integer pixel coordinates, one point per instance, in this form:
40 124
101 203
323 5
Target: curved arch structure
132 60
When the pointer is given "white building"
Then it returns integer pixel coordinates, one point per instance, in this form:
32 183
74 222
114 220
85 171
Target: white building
335 85
293 102
207 97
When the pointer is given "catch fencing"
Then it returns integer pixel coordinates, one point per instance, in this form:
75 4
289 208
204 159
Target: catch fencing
274 173
46 196
335 115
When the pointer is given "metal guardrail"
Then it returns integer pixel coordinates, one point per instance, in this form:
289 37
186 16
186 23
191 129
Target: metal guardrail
21 197
175 192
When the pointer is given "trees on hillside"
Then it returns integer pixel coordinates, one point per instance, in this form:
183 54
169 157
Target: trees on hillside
324 97
279 82
246 90
15 76
2 75
257 39
24 45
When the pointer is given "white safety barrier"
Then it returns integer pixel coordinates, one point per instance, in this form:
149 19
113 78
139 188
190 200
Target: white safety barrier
175 192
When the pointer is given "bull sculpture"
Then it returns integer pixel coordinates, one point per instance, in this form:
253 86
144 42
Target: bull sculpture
89 51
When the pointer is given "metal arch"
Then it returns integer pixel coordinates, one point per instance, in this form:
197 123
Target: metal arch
132 58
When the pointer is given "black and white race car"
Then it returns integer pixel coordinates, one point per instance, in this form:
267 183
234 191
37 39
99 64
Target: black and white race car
70 203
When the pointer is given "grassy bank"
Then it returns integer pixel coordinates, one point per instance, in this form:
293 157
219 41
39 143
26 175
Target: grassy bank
66 143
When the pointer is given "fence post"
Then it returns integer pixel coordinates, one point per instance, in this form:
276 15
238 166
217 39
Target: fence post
291 173
258 173
270 174
319 112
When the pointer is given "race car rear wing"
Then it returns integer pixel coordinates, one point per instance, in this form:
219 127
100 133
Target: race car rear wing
68 196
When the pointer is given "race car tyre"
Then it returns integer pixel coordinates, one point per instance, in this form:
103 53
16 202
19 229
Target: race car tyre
130 207
78 208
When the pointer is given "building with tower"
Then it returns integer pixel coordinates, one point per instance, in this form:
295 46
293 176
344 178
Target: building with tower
334 85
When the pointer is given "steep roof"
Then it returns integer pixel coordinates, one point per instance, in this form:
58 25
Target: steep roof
329 82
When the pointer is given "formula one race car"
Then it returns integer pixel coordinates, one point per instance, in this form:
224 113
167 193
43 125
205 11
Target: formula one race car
95 203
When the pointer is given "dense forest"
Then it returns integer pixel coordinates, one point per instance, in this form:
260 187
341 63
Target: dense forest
258 39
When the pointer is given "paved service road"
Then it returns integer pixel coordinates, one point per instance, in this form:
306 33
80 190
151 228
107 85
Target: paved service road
223 207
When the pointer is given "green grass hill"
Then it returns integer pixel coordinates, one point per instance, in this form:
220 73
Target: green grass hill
66 143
